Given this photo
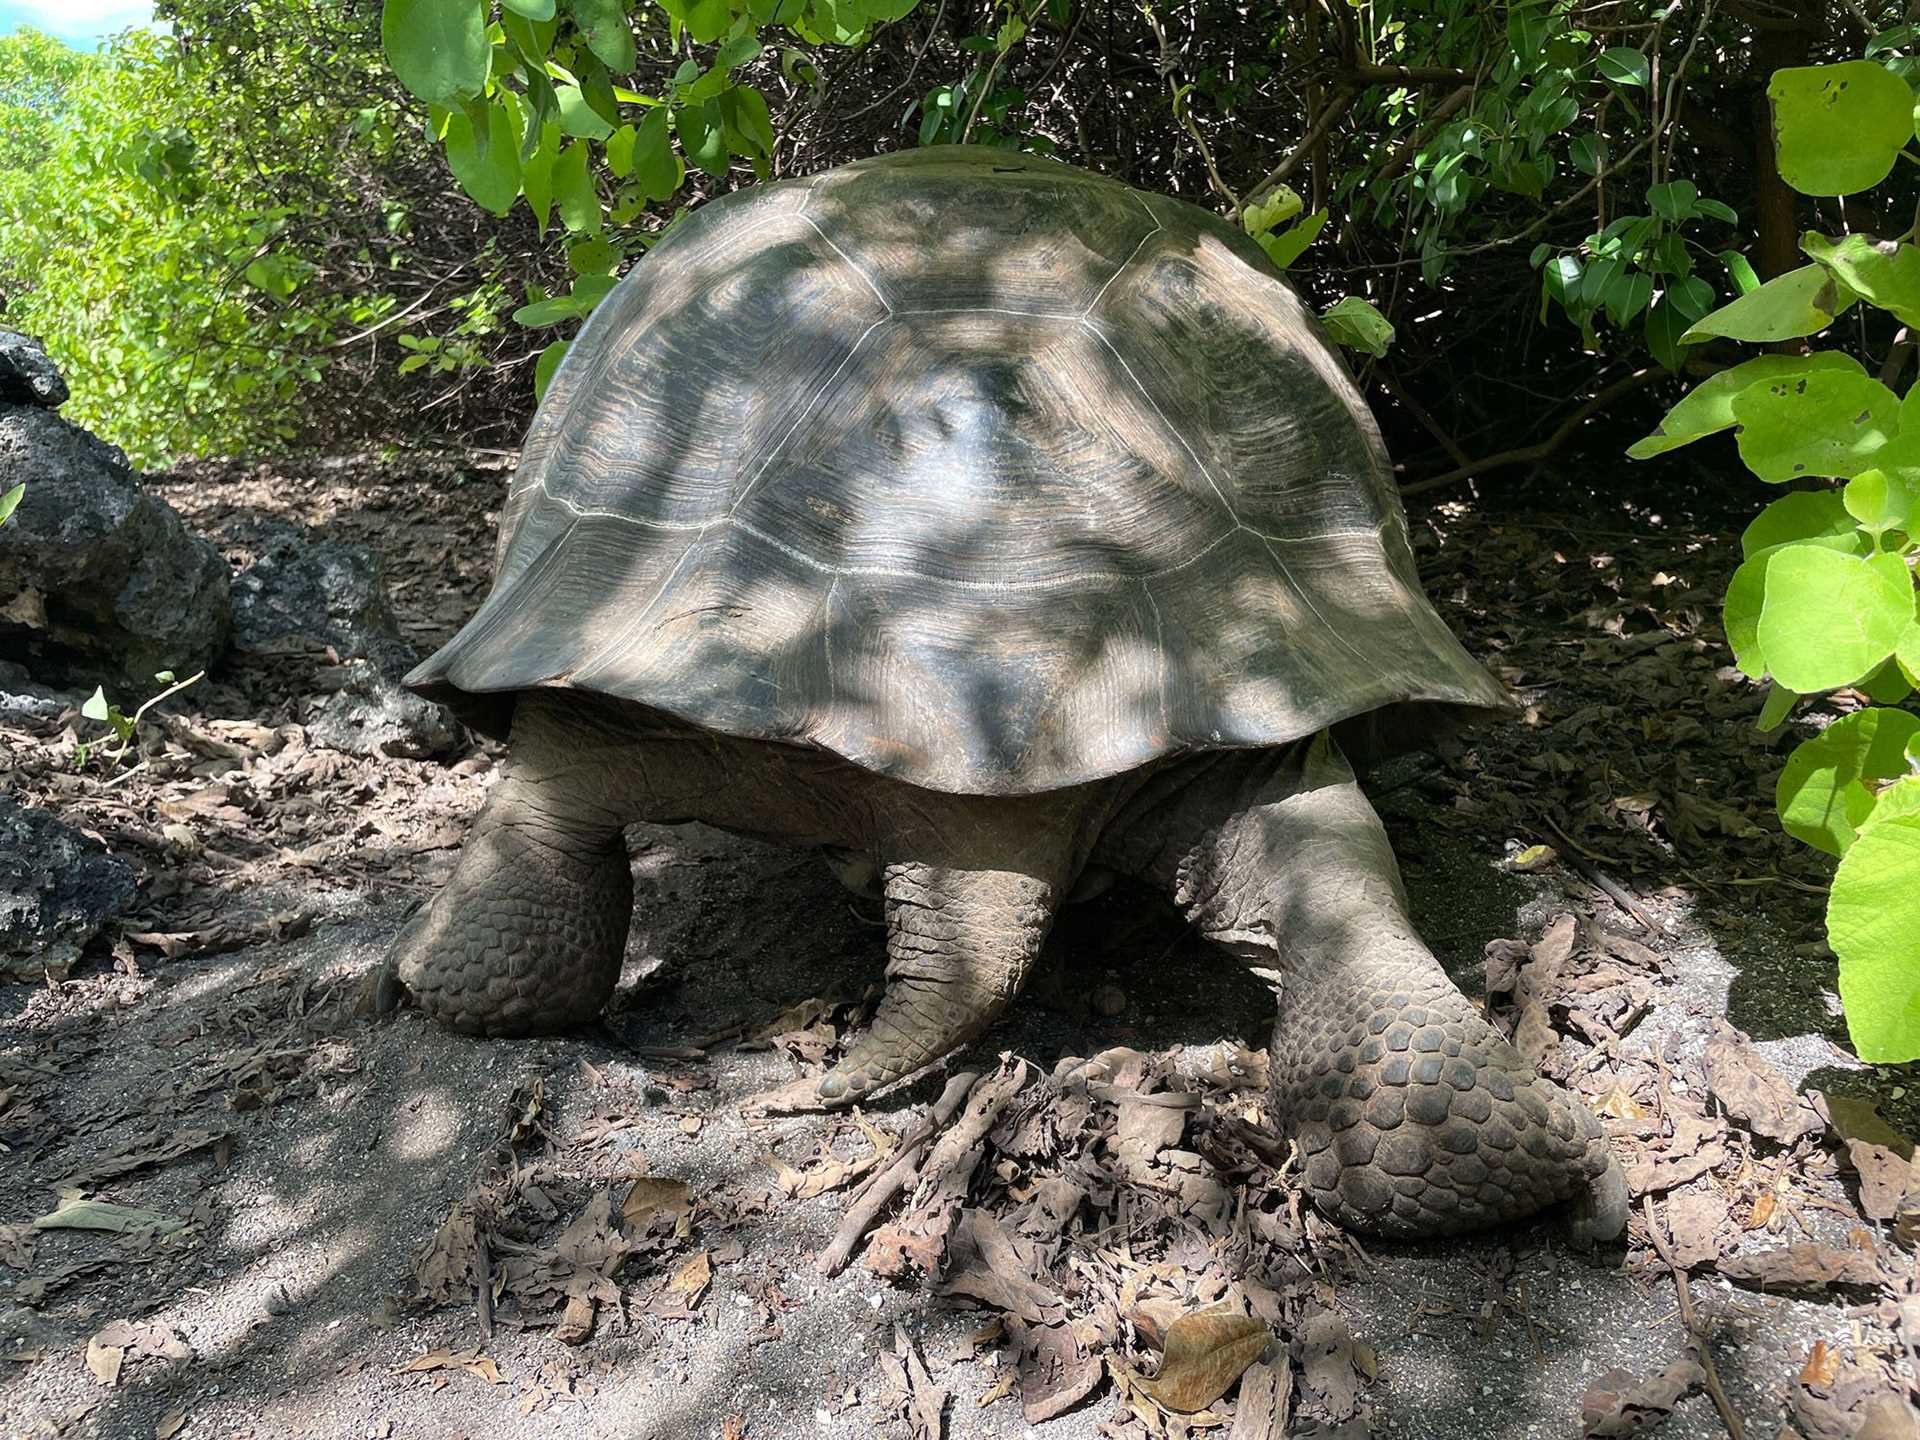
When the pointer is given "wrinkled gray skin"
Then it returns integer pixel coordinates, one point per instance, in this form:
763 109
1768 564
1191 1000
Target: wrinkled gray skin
1413 1116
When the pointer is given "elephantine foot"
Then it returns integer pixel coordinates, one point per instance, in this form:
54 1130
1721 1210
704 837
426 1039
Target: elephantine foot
526 939
1417 1118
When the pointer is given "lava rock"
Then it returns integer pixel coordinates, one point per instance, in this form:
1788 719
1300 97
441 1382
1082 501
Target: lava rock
57 888
100 583
323 592
28 375
22 699
372 715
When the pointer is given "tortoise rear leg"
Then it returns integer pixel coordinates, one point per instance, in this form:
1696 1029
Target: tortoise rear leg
528 935
1413 1115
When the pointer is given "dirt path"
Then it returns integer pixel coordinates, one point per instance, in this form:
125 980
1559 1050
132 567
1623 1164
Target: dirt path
322 1189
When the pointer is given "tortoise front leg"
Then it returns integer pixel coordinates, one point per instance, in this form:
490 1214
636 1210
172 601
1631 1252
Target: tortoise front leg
528 935
971 886
1413 1115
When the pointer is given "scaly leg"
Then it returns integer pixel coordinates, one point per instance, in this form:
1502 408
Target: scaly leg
528 935
1413 1115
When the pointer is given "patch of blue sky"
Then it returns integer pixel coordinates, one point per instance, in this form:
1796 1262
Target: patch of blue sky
83 24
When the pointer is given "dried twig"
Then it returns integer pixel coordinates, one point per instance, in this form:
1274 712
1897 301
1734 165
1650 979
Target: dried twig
1696 1337
872 1197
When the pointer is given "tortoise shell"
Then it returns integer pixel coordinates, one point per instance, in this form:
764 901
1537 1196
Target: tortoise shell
976 469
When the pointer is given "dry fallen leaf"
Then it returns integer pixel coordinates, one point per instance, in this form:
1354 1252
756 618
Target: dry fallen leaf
170 1424
1753 1091
1205 1353
1614 1405
655 1194
690 1281
75 1213
1823 1365
471 1361
1803 1267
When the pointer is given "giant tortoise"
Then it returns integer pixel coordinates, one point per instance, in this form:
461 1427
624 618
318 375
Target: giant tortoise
986 524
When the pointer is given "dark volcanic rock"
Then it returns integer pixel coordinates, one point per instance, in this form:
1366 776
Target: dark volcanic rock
372 715
100 583
57 888
27 374
323 592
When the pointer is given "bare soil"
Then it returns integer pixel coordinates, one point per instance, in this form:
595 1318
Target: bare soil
315 1182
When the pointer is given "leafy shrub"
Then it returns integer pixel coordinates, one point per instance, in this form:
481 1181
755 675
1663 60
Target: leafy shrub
148 238
1825 597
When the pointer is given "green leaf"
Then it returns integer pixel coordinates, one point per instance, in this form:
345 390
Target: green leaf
1881 272
532 9
1885 686
438 48
1778 705
544 367
1827 788
10 502
1829 618
1665 325
1745 282
542 313
1900 798
1354 323
620 152
593 257
536 174
1873 925
1622 65
1673 201
577 117
656 169
1800 302
1817 517
574 192
1825 422
1838 128
1880 501
487 167
745 112
1288 245
1907 653
703 137
1740 616
608 32
1707 409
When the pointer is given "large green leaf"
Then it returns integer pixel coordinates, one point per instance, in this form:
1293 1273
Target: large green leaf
1900 798
1873 925
1827 788
1881 500
1825 422
574 192
438 48
1354 323
577 117
608 32
703 136
1907 653
1800 302
544 367
1839 128
1819 516
1831 618
1881 272
487 166
1707 409
656 169
1740 616
536 174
